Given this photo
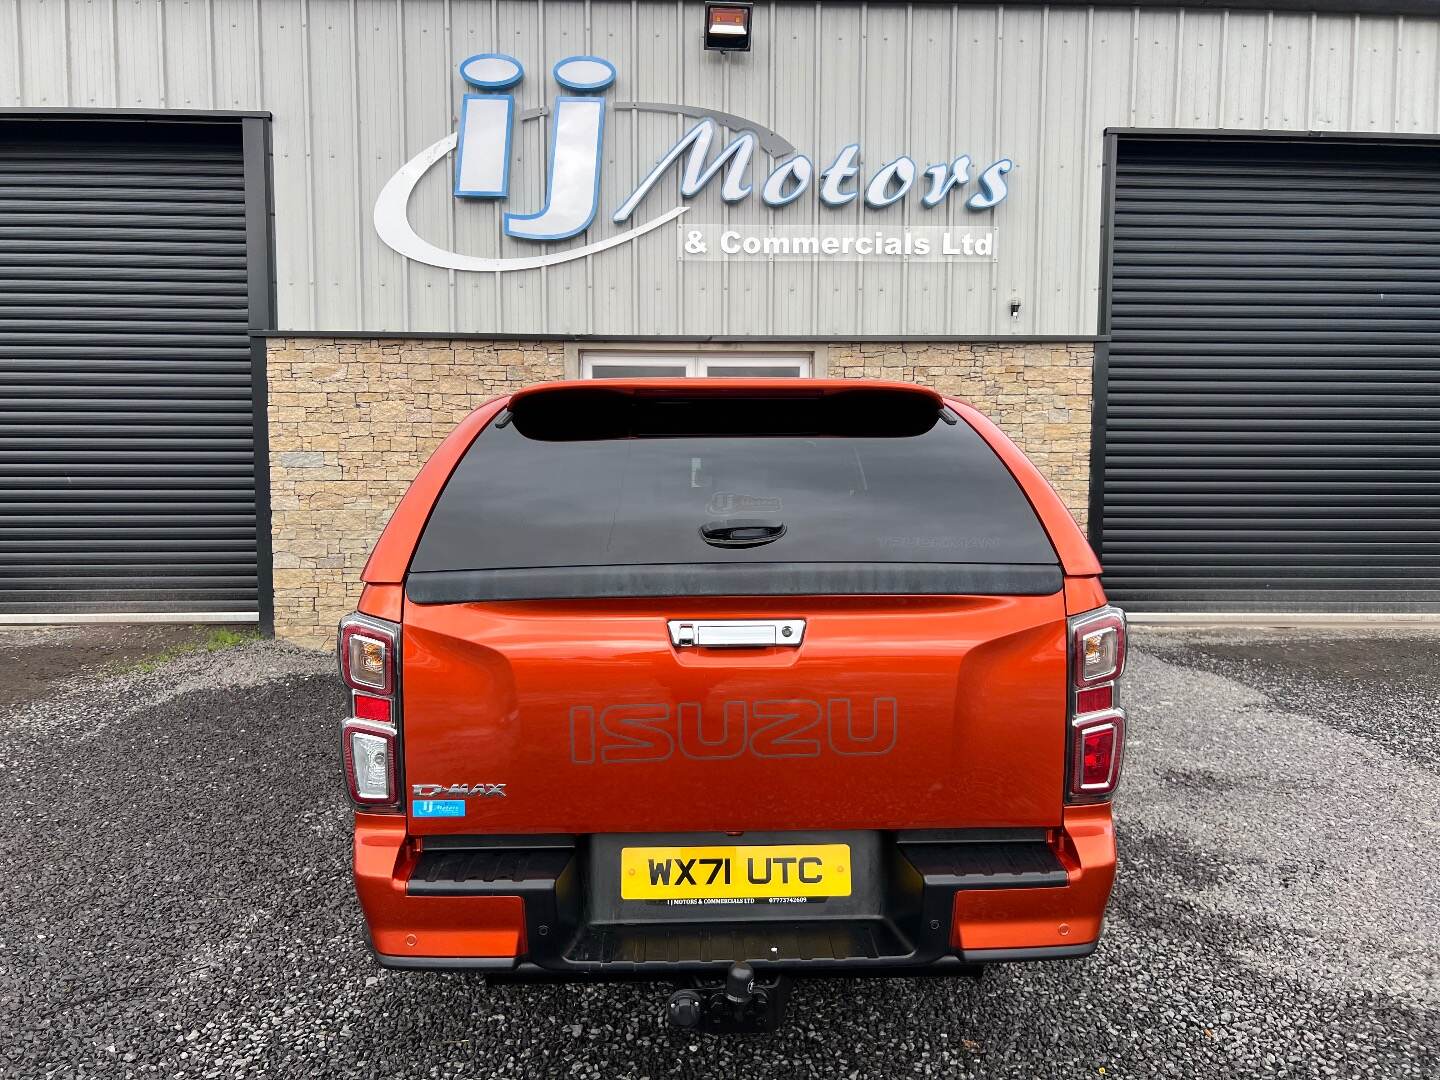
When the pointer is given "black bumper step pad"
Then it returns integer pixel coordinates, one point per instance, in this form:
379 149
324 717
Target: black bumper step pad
1023 865
496 872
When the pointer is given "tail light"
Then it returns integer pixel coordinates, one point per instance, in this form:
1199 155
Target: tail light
369 651
1097 723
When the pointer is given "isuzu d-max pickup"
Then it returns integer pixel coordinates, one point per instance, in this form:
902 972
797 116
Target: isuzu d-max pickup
722 682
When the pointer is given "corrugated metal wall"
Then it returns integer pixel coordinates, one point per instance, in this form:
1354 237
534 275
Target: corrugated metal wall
359 86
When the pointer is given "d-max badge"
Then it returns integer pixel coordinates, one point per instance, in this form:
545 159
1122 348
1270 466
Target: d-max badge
463 791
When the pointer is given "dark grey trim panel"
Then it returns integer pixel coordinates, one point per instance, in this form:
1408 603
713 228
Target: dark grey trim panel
1044 952
485 964
728 579
164 115
1099 406
1202 135
513 969
970 836
510 968
260 285
1100 361
945 967
1348 7
682 339
1109 148
491 843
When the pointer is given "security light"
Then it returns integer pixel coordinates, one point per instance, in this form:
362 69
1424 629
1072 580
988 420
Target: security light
727 27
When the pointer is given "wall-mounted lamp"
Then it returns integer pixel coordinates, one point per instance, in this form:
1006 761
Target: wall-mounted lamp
1015 309
727 27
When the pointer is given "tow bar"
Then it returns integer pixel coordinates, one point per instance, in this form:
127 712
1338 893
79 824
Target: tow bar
743 1003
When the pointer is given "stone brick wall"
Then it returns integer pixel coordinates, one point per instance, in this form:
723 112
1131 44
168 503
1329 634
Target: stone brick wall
352 421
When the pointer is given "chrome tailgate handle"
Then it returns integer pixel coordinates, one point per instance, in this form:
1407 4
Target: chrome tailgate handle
736 633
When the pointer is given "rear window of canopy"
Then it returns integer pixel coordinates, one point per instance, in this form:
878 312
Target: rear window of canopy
876 485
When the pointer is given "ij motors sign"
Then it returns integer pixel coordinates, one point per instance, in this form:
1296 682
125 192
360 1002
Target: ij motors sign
482 149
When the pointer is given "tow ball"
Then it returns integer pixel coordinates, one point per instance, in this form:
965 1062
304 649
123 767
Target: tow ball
743 1003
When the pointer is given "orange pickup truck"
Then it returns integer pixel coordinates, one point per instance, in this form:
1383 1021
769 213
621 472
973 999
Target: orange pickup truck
723 682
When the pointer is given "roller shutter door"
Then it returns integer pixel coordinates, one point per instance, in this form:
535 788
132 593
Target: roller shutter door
1271 409
127 449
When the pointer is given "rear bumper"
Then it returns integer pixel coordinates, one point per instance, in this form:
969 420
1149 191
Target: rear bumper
512 969
516 911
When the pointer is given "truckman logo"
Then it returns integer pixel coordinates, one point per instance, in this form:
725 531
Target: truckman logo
781 728
483 147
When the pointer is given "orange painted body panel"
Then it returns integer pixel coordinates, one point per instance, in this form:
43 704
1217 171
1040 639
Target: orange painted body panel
1083 594
1035 918
442 926
597 723
382 601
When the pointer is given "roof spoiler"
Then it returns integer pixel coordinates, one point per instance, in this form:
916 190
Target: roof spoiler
647 408
751 388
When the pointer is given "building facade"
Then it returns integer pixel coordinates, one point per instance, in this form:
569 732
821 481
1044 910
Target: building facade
262 255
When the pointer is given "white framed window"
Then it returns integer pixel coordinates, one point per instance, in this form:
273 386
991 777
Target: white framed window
682 365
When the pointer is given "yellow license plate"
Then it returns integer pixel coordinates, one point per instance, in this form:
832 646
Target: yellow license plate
721 873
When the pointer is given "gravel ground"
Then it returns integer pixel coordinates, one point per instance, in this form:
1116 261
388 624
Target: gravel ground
178 903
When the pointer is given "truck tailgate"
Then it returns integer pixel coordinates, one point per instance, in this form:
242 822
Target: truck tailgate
583 716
